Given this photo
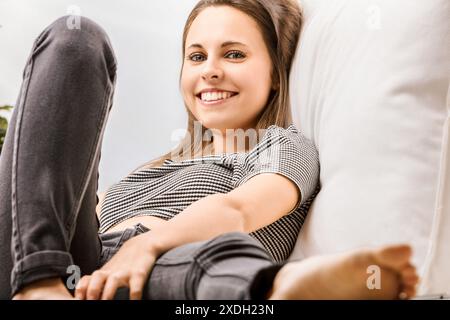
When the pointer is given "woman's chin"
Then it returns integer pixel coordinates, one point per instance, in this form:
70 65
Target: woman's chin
222 126
212 122
214 126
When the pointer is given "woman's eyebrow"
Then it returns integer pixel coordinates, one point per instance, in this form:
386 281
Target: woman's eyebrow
225 44
230 43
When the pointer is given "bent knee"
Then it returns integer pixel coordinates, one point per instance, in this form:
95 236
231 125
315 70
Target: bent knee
85 41
85 36
77 24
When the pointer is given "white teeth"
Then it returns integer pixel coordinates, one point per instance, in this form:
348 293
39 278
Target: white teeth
213 96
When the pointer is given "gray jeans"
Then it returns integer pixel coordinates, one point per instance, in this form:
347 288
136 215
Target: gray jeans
230 266
49 175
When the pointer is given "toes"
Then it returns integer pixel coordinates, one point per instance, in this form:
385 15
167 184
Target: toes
407 293
408 270
409 281
395 257
412 281
409 276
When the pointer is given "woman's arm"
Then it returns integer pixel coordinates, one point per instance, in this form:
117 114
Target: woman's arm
260 201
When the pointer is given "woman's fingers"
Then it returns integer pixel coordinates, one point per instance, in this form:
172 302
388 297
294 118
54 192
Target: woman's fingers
136 286
103 285
82 285
112 284
96 284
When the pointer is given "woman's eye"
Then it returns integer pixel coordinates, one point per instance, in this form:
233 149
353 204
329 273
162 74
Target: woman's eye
237 54
193 57
199 57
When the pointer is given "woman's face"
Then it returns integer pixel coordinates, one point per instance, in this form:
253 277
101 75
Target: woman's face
226 53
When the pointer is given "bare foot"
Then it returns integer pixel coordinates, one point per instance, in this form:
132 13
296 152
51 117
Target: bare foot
47 289
348 276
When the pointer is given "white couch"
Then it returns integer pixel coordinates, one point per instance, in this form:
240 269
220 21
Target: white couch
370 86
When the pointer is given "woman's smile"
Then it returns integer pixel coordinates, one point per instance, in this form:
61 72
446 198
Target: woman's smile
226 77
209 98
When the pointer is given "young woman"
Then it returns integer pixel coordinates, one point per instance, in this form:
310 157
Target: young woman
209 220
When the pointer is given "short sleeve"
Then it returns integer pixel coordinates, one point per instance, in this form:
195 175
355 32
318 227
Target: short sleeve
286 152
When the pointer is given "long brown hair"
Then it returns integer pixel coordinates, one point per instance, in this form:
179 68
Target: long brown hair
280 22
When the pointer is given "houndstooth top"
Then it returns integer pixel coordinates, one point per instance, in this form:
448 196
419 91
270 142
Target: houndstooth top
167 190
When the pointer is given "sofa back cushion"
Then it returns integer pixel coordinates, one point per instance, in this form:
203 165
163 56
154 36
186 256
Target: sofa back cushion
369 85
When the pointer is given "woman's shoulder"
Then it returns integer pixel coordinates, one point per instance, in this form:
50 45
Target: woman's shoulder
290 128
275 134
287 143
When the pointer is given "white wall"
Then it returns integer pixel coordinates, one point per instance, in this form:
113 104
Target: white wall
146 36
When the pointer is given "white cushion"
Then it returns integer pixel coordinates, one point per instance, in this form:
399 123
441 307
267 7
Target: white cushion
436 276
369 86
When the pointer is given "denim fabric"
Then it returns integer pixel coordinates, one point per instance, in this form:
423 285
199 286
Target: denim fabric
49 175
113 241
49 162
232 266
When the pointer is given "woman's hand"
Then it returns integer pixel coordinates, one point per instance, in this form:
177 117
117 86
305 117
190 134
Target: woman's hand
129 267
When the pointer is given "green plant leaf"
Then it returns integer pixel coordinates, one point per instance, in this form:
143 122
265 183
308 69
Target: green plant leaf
3 123
6 107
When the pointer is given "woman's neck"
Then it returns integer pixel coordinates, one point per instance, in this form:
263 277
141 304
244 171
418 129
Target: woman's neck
232 142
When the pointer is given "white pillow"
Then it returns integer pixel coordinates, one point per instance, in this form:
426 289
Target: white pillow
368 87
436 277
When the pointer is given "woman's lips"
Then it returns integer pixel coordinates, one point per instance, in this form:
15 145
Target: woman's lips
216 102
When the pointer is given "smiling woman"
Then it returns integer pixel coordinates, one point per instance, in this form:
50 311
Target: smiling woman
241 65
219 226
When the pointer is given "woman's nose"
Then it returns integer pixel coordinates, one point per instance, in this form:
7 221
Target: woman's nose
212 72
